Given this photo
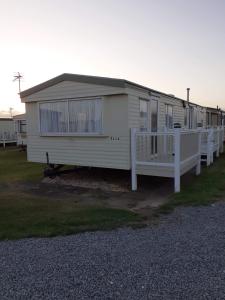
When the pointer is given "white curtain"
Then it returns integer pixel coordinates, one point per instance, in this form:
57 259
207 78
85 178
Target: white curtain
53 117
85 116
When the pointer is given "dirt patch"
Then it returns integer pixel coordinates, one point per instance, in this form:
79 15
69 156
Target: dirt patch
86 183
94 178
110 188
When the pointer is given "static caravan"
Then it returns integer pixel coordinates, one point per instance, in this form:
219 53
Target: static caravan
7 132
195 116
20 129
109 123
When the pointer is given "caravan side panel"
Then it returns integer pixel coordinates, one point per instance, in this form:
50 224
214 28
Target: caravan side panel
108 151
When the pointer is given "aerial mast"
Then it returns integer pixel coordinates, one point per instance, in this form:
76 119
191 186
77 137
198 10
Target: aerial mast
18 78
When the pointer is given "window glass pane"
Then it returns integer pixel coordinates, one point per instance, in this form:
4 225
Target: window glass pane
154 115
85 115
143 114
22 126
192 118
186 117
53 117
169 116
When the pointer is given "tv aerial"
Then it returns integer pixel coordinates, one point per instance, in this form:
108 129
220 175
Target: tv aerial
18 78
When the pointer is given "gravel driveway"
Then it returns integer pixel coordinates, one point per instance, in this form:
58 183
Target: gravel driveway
182 258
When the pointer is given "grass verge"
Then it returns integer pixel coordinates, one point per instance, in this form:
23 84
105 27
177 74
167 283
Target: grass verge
202 190
23 214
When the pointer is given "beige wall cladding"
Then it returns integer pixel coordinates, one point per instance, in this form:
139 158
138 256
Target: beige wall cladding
67 89
111 150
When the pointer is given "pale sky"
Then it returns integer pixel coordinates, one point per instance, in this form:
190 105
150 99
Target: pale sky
167 45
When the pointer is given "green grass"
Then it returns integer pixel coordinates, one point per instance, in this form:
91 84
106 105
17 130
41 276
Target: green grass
14 167
32 217
23 214
32 214
202 190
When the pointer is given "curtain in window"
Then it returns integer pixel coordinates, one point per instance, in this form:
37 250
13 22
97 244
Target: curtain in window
85 116
53 117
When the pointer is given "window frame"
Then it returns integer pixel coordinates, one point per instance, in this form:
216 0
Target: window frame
19 125
94 134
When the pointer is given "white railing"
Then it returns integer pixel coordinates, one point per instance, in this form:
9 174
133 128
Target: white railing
212 143
173 152
7 137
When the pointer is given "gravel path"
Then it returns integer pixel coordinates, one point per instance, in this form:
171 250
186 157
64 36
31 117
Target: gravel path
182 258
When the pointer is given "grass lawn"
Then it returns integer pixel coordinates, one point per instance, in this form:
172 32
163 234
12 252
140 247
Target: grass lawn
202 190
24 214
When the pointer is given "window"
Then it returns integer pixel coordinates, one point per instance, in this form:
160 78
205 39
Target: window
21 126
186 110
208 121
169 116
85 116
143 114
214 118
53 117
73 116
200 118
192 118
154 115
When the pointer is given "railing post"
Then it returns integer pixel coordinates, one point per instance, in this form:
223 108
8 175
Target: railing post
4 140
210 147
198 167
218 142
223 139
133 159
177 158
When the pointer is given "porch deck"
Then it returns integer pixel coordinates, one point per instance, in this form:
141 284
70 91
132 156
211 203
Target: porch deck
173 153
7 138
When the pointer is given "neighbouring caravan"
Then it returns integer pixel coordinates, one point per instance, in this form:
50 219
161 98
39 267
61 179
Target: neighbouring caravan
20 128
214 117
7 132
90 121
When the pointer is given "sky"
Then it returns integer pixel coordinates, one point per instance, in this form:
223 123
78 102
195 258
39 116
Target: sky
167 45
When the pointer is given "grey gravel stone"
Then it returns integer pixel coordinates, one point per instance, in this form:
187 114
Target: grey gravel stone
181 258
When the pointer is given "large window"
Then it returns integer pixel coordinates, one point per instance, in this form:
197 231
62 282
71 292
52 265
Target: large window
73 116
169 116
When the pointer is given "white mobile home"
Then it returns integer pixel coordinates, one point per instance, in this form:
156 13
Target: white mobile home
87 121
7 132
20 129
